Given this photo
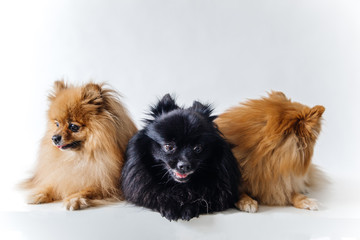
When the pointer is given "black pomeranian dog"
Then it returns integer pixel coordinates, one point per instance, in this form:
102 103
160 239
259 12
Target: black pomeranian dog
179 165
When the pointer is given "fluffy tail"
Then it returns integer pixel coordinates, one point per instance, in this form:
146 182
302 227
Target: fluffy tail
317 179
26 184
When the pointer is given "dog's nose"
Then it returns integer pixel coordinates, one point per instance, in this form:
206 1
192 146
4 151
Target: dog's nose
183 167
56 139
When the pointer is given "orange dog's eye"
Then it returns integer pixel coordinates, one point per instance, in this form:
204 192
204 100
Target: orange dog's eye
73 127
57 124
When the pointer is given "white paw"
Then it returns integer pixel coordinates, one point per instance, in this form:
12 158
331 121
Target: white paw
247 205
76 203
310 204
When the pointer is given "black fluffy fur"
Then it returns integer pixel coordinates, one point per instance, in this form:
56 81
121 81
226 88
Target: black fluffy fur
149 177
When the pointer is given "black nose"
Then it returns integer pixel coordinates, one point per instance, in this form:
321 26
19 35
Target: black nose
183 167
56 139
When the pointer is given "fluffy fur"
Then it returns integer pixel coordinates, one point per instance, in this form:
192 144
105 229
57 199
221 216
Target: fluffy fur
274 140
179 165
82 152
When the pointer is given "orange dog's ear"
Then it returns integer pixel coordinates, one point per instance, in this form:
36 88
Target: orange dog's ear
58 87
316 112
91 94
308 119
279 94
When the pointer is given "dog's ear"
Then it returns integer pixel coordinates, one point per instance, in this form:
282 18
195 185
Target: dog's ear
308 120
278 94
203 109
311 115
91 94
58 87
316 112
165 105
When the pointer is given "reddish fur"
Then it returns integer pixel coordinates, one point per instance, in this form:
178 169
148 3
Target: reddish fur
92 171
274 142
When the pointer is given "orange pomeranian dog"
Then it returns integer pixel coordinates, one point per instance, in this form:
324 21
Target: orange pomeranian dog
82 152
273 142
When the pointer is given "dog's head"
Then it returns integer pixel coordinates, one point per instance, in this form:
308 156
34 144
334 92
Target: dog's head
71 112
293 129
182 139
294 118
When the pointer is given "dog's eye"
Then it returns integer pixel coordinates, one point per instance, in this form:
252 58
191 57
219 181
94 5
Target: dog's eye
198 148
57 124
169 148
73 127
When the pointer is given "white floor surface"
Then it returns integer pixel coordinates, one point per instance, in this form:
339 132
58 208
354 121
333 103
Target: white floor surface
338 218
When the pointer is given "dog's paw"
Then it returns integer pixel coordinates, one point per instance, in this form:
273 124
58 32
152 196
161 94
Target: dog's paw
189 212
76 203
301 201
40 197
169 214
247 204
307 203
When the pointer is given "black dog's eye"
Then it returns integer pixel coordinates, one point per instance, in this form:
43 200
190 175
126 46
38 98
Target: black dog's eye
198 148
57 124
169 148
73 127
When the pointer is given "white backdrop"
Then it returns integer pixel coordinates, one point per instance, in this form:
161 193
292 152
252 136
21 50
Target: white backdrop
220 52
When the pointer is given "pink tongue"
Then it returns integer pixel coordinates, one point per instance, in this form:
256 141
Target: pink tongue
179 175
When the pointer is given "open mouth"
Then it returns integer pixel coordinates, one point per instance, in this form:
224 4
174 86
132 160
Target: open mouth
181 177
70 145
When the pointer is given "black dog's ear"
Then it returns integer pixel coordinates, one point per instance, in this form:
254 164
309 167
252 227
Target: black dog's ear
203 109
165 105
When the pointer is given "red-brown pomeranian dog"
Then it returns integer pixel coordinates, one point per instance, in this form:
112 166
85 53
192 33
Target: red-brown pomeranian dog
82 152
273 141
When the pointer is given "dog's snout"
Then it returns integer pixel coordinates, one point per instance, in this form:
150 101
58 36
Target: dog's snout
183 167
56 139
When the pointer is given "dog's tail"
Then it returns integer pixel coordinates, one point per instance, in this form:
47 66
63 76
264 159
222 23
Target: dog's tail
26 184
317 179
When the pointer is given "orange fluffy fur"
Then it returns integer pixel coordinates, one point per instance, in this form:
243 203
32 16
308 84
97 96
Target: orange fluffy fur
274 140
91 170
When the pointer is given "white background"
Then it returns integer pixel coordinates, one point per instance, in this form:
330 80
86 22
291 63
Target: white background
220 52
